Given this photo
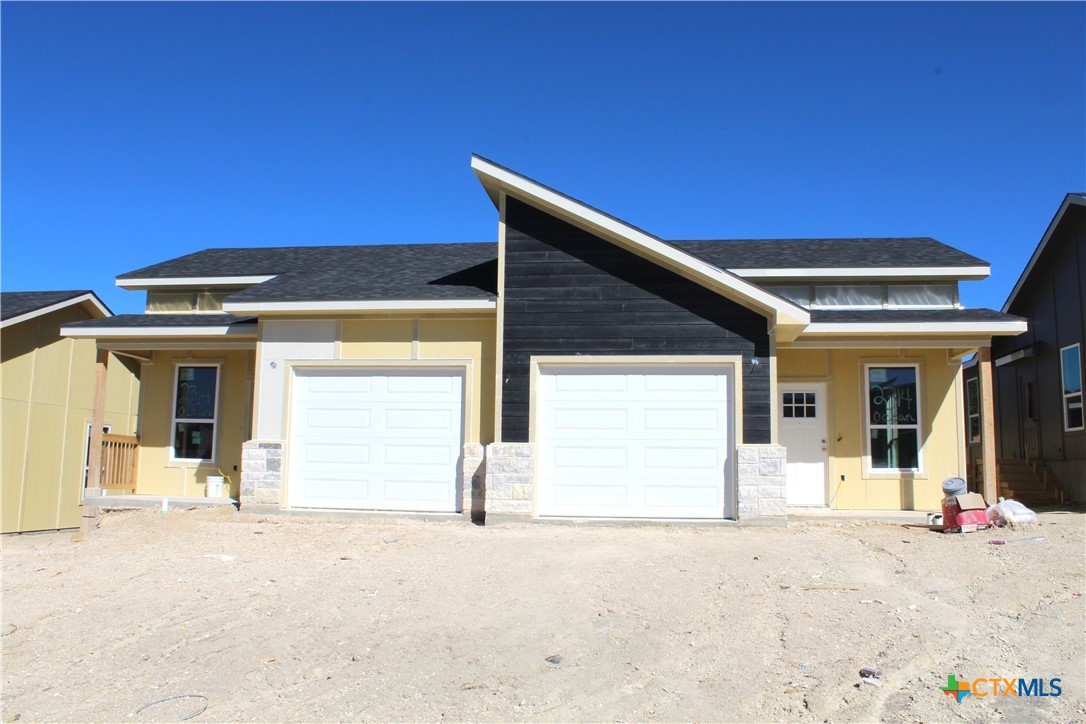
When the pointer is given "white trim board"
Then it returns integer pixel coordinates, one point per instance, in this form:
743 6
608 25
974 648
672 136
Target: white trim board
784 314
894 328
148 283
248 330
921 272
90 298
422 305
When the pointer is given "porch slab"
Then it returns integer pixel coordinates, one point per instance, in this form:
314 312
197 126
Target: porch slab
155 501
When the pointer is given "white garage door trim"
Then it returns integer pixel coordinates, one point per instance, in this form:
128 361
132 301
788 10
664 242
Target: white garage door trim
414 467
714 477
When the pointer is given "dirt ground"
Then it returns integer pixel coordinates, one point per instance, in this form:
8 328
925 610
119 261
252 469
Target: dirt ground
292 619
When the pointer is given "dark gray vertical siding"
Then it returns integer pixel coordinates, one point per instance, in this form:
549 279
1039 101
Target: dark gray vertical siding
569 292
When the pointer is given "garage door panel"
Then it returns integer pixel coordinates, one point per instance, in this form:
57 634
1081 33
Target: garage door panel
339 418
654 443
572 457
376 439
334 453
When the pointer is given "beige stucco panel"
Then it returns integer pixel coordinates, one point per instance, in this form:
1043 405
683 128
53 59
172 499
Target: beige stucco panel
377 338
864 489
158 475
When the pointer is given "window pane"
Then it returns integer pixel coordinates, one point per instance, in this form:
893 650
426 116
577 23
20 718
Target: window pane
1074 412
796 295
810 398
850 296
788 398
892 395
192 440
974 428
1072 371
971 397
196 393
894 449
921 295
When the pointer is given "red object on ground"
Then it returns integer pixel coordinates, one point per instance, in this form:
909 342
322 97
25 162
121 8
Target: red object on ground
956 520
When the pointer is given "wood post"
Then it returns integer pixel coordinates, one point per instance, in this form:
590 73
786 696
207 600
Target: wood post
987 424
94 463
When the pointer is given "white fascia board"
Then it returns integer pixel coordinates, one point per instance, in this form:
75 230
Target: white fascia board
117 332
85 298
925 272
193 281
408 305
1052 226
918 328
640 242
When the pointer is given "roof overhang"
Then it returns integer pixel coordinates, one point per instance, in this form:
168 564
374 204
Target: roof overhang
787 319
1068 201
898 330
151 283
91 300
948 273
225 330
391 306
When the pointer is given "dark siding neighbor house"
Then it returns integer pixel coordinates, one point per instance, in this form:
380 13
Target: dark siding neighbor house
1038 375
570 292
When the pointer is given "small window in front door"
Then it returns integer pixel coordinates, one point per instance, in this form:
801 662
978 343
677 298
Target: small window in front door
800 404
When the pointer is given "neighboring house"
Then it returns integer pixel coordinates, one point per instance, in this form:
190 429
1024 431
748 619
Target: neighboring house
578 367
1040 437
47 383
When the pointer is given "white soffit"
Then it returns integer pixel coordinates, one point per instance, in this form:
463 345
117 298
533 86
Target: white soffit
90 299
1009 328
905 272
150 283
497 179
184 331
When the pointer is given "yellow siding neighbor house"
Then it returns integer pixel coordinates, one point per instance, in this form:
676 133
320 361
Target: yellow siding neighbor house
47 390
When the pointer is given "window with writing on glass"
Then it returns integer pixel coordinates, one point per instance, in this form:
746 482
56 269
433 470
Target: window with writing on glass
893 418
195 408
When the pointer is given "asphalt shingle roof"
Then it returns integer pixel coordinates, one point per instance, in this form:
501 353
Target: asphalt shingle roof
829 253
166 320
15 304
340 273
910 315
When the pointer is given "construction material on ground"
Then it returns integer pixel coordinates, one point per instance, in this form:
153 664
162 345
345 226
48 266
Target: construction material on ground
1010 512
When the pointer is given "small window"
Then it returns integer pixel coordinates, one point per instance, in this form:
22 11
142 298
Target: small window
1071 371
849 297
893 418
972 408
796 295
799 405
195 409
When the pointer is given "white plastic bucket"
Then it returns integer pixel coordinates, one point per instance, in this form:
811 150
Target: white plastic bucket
214 486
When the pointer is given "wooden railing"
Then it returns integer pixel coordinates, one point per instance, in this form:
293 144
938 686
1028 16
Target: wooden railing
120 456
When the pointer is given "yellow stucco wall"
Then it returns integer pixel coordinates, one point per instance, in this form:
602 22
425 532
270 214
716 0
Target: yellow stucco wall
430 338
843 371
47 391
158 475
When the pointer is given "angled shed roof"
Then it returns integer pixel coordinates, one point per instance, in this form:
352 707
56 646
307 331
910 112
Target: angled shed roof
16 307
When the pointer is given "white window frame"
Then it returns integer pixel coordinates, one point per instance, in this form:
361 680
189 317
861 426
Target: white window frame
1066 396
868 427
214 420
972 389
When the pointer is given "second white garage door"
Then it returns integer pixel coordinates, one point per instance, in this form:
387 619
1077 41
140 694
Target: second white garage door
375 439
634 442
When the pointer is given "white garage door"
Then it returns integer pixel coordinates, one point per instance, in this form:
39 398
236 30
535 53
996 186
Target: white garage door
375 439
634 442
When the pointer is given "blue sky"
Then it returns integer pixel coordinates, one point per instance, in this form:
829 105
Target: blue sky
133 133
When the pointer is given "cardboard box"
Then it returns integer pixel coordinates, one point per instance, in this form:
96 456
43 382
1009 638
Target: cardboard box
972 501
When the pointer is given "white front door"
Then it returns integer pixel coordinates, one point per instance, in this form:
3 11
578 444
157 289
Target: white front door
387 439
803 433
634 441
